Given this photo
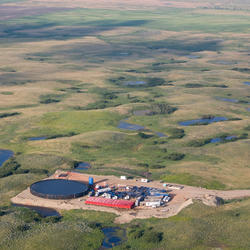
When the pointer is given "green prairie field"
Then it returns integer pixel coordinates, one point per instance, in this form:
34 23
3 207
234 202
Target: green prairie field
72 72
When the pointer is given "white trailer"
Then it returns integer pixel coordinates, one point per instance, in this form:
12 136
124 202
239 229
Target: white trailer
153 204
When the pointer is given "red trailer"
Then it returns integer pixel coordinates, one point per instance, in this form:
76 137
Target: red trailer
110 202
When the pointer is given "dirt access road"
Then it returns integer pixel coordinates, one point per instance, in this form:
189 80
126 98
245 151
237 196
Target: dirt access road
181 198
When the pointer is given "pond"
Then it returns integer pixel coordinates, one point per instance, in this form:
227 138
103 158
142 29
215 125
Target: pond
114 236
247 83
248 109
160 134
223 62
192 56
43 211
82 166
134 83
203 121
37 138
5 155
228 138
129 126
227 99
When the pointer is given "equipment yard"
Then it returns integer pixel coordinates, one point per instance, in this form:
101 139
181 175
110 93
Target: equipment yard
129 199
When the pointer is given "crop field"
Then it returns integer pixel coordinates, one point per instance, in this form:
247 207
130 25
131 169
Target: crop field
79 76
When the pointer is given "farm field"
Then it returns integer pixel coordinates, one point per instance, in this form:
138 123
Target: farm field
152 89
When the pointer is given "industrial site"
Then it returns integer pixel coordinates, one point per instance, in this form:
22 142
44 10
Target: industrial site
127 198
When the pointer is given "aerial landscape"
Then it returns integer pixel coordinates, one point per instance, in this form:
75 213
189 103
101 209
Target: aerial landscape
124 124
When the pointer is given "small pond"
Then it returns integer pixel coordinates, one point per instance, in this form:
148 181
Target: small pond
248 109
228 138
5 155
82 166
247 83
160 134
203 121
223 62
227 99
192 56
129 126
134 83
43 211
114 236
37 138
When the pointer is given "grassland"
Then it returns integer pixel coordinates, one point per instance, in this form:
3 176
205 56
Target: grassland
64 69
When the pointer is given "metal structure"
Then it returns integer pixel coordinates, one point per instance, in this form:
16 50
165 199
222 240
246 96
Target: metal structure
59 189
110 202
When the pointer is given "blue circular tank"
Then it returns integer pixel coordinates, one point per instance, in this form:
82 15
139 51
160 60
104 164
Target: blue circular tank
59 189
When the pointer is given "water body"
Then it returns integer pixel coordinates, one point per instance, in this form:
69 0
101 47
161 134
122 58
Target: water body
160 134
142 112
83 166
134 83
248 109
228 138
224 62
5 155
129 126
43 211
203 121
37 138
112 237
247 83
227 99
192 56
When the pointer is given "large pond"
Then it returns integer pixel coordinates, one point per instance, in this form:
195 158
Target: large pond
247 83
228 138
135 83
223 62
114 236
193 56
203 121
5 155
227 99
82 166
37 138
160 134
43 211
129 126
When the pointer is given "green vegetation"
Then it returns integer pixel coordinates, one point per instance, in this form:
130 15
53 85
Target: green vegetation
3 115
9 168
72 74
188 179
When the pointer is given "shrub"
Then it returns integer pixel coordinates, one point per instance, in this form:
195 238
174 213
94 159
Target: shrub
23 228
199 143
3 115
194 85
136 233
175 156
153 237
177 133
144 136
27 215
144 165
162 108
52 219
157 166
9 167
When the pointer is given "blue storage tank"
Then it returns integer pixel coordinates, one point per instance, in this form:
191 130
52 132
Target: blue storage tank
91 180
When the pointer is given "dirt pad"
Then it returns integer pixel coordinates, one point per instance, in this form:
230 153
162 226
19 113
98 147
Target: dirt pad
181 198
